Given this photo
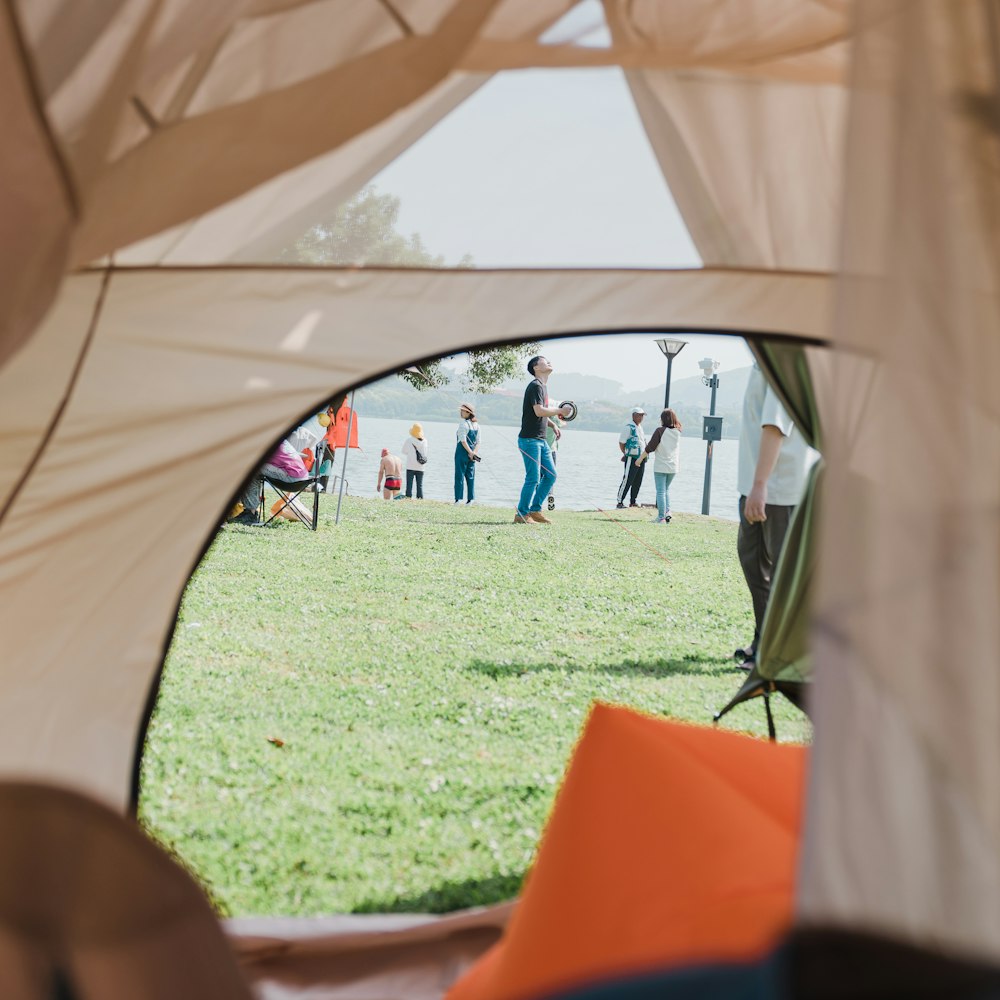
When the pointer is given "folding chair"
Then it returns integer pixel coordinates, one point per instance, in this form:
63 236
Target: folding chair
288 494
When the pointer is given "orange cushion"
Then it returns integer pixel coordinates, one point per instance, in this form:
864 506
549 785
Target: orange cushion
668 845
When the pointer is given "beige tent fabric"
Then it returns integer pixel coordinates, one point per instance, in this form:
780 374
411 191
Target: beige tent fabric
85 895
191 376
134 389
258 226
903 818
368 957
753 160
36 203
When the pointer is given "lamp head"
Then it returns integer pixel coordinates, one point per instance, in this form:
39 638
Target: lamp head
670 346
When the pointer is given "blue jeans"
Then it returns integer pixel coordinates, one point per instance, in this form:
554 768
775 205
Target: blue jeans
663 481
539 474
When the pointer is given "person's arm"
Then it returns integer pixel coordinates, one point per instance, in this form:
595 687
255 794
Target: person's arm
555 427
651 446
552 411
771 439
381 473
464 439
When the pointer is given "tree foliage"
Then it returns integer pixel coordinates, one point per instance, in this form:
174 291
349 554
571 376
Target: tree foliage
363 232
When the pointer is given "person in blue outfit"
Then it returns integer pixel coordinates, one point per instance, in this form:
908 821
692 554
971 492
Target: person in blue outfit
466 454
539 469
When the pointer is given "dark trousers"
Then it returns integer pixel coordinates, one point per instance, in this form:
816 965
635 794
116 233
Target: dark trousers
631 480
415 476
759 546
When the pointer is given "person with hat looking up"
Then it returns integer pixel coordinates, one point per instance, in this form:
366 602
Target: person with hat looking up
466 453
539 469
632 442
415 456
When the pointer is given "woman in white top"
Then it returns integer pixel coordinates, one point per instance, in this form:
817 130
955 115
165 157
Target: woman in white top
466 453
415 456
665 445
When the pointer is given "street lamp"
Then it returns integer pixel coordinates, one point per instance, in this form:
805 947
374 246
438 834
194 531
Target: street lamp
671 348
711 427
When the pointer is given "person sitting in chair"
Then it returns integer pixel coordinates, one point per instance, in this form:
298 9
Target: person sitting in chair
284 465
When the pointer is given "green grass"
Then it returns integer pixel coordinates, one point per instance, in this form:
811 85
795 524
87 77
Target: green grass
428 668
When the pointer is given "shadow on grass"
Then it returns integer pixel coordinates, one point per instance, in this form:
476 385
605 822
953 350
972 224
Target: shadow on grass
449 896
701 665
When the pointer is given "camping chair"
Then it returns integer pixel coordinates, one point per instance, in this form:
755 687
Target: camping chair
91 907
288 497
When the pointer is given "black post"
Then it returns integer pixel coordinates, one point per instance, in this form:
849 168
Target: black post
666 395
706 496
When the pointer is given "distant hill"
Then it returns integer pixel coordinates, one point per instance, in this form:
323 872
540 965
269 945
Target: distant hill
603 403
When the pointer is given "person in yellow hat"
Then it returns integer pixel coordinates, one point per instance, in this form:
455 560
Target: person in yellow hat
415 456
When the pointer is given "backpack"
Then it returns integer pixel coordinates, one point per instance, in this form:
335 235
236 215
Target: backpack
633 446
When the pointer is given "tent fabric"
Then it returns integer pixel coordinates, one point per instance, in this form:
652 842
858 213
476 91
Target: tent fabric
903 817
783 647
667 845
86 897
362 957
170 389
36 202
836 165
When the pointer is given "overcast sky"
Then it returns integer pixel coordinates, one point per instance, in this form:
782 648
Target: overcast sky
542 168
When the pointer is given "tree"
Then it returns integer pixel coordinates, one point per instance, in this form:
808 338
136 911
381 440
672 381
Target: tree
363 231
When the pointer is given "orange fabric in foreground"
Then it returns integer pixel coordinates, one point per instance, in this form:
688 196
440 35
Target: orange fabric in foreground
668 845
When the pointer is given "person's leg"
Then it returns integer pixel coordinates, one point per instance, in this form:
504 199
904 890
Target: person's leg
666 494
420 483
411 477
547 478
530 449
756 566
660 479
638 471
470 481
623 485
459 472
775 529
250 497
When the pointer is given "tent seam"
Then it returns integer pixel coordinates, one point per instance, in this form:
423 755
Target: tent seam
30 77
71 383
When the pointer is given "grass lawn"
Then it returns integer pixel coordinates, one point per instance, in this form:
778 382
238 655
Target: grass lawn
427 669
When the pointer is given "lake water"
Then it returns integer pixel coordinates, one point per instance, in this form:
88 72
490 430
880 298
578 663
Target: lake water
589 467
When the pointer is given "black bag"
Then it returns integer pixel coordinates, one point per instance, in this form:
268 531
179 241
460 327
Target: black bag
421 457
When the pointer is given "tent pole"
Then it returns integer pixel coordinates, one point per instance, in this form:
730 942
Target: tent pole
343 468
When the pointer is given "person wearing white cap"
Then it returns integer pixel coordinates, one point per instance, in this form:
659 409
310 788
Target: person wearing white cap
632 442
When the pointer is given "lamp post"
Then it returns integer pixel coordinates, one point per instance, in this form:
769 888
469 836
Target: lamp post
711 427
671 348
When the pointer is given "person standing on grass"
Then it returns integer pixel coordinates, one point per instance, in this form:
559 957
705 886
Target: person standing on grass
539 468
632 443
390 472
771 475
415 456
466 453
665 447
552 439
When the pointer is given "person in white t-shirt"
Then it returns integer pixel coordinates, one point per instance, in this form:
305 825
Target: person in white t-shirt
771 475
632 443
415 458
665 447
